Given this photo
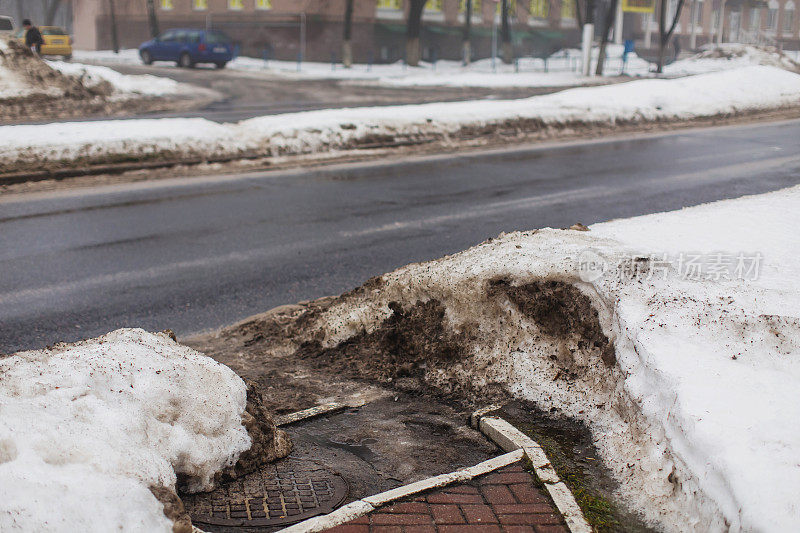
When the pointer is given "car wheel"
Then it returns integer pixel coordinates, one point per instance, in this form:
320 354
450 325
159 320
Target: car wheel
147 59
221 64
185 61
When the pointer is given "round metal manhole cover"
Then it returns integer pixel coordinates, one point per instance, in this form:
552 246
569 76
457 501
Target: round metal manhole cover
278 494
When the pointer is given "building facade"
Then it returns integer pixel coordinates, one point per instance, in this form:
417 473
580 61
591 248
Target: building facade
284 29
771 22
312 29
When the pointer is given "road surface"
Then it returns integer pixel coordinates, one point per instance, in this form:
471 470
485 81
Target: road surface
253 94
195 254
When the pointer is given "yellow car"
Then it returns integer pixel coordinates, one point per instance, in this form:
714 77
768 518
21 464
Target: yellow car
56 41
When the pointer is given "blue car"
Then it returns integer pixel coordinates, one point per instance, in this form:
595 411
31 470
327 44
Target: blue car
189 47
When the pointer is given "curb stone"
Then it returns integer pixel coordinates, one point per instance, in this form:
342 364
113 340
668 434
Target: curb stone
366 505
510 438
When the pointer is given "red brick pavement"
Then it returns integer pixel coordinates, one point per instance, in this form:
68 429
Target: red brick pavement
504 501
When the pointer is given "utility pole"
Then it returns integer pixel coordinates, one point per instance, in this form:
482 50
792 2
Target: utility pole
152 19
466 48
114 35
587 38
618 24
347 43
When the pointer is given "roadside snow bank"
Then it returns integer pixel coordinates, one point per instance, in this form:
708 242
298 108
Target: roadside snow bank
87 429
732 55
123 84
723 93
675 337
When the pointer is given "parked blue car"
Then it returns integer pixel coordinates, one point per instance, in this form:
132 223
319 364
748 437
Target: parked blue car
189 47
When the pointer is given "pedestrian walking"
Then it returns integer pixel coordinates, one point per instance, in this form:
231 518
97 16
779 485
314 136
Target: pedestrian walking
33 37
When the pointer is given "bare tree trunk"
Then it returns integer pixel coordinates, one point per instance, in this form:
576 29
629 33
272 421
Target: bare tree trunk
413 29
467 44
114 34
152 19
505 33
664 34
20 12
50 12
347 43
609 22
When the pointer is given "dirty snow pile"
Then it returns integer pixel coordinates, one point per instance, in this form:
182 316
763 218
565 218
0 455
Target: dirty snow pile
695 409
721 93
123 84
23 75
731 56
87 428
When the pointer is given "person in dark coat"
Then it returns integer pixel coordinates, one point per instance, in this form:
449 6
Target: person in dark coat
33 37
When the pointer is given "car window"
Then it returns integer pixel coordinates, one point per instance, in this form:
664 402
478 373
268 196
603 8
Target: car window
5 24
53 31
168 35
180 36
217 37
193 37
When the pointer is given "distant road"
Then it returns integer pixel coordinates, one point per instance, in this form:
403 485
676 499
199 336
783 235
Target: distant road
248 94
201 253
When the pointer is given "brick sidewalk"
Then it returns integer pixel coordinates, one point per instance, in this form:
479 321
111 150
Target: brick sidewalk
505 500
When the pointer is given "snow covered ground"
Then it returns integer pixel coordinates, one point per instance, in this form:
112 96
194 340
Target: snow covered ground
559 70
87 428
728 92
695 410
123 84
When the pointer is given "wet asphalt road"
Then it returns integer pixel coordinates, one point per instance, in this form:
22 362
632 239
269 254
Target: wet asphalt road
197 254
252 94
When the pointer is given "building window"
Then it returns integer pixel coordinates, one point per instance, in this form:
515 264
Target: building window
788 17
199 5
263 4
390 4
772 16
166 5
539 8
476 7
755 19
236 5
698 13
567 9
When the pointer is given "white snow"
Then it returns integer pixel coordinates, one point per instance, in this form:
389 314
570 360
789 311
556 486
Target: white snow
86 428
697 418
93 75
727 92
731 56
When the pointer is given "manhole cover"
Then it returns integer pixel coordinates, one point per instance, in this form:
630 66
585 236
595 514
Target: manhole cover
280 493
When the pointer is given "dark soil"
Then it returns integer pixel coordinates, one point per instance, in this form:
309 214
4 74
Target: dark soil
405 345
560 310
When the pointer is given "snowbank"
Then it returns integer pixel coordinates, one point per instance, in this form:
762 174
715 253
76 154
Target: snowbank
87 428
24 75
687 376
722 93
730 56
561 69
123 84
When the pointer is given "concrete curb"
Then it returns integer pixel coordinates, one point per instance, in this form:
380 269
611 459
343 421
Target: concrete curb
510 438
366 505
312 412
